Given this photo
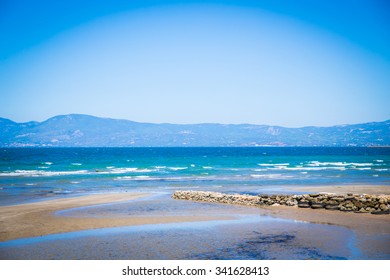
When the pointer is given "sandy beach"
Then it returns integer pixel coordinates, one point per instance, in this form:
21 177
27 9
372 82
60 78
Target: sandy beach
37 219
321 229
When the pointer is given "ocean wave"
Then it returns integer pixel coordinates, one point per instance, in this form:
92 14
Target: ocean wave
162 179
76 163
40 173
338 163
207 167
177 168
273 164
316 168
271 176
301 168
135 178
361 164
260 169
124 170
109 170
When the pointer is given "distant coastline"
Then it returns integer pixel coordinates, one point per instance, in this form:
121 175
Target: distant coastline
76 130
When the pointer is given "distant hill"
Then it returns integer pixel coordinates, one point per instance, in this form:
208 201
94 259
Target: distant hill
88 131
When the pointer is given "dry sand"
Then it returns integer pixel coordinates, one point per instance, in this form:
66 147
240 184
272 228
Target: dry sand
37 219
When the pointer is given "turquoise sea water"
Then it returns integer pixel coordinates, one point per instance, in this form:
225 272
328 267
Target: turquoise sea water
38 173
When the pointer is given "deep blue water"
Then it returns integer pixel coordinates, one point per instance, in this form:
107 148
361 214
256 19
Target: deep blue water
38 173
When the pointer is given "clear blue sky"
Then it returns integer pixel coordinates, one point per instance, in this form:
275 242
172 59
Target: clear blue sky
290 63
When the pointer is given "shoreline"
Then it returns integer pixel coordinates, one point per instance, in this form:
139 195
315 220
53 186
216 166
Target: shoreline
38 218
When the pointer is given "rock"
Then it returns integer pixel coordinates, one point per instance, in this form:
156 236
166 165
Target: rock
303 204
380 212
332 207
317 205
358 203
383 207
338 199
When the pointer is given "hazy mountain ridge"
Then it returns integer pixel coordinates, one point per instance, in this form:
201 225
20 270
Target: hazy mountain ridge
88 131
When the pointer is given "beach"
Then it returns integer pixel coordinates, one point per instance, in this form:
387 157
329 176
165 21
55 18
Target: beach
323 230
116 203
39 218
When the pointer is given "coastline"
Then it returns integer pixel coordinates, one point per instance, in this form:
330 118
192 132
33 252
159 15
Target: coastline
38 218
331 234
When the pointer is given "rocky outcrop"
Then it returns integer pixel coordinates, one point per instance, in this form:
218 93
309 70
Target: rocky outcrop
358 203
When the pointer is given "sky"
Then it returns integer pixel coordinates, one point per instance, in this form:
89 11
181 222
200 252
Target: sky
289 63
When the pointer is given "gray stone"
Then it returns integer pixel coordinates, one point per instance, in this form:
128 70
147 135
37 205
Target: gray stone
316 205
332 207
303 205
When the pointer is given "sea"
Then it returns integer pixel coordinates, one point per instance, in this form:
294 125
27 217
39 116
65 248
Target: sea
32 174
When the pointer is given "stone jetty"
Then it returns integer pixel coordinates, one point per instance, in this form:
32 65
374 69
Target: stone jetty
358 203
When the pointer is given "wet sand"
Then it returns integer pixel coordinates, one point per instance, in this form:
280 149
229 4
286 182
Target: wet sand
365 223
328 231
37 219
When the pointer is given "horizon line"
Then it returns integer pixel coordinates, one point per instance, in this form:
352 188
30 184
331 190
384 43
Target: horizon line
198 123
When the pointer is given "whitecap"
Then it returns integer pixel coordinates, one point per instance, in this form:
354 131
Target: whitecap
127 170
76 163
361 164
38 173
273 164
177 168
270 176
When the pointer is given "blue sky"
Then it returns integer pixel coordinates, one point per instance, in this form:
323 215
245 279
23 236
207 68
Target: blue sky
290 63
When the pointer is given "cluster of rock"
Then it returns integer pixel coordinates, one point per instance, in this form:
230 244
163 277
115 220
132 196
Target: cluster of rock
359 203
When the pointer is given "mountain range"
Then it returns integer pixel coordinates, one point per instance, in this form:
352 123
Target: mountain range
77 130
